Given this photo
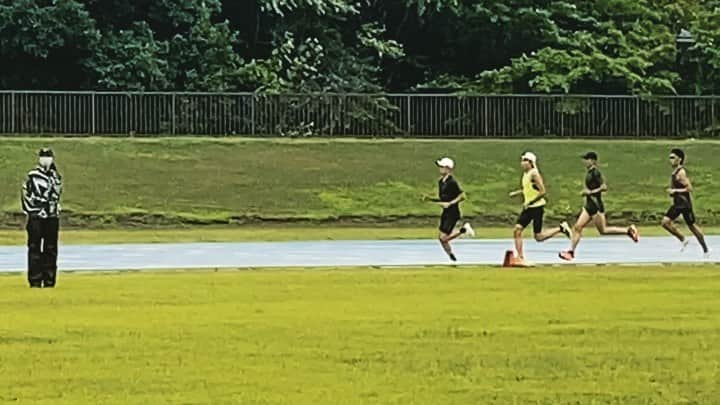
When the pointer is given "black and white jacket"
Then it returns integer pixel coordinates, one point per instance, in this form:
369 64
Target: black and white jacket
41 193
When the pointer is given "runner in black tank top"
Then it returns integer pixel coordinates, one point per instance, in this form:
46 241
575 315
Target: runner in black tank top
594 209
680 189
681 200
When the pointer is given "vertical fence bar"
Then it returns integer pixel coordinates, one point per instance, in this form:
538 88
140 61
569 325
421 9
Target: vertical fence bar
92 107
172 113
12 112
637 116
409 109
485 116
252 114
712 116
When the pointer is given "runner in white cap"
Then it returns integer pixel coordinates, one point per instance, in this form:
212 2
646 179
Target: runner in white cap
533 209
450 195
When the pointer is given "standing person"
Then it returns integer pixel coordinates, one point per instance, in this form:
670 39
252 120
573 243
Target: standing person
680 189
594 209
450 195
533 209
41 203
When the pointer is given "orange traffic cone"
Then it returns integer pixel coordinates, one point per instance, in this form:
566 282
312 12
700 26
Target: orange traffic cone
509 258
512 261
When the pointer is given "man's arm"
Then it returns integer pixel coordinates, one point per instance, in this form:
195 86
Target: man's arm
457 200
603 187
57 182
460 197
29 199
600 189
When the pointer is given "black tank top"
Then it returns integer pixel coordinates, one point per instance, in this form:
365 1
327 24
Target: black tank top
593 180
681 200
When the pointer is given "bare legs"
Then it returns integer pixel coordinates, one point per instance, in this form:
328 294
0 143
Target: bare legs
540 237
580 225
445 239
668 224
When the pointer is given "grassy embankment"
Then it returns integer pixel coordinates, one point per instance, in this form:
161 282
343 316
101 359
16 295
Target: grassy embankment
192 189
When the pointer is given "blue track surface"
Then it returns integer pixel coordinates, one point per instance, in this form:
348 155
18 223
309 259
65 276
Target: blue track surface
611 250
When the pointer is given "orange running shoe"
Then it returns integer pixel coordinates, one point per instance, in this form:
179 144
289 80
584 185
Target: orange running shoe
567 255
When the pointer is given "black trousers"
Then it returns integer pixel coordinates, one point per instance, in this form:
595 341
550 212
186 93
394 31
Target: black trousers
42 251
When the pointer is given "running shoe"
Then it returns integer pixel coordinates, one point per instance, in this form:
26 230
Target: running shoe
684 244
469 231
567 255
522 263
565 228
633 233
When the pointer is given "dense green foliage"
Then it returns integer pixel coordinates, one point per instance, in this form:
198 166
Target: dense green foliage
620 335
607 46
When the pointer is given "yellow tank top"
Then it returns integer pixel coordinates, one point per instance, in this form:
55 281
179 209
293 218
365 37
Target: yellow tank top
529 191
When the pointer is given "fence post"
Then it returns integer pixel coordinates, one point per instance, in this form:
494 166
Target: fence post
92 106
485 116
252 114
637 115
173 113
12 112
712 116
409 100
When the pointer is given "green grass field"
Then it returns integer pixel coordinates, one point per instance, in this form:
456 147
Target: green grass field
630 335
125 183
603 335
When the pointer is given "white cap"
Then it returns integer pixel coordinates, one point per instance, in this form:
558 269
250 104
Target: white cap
529 156
446 162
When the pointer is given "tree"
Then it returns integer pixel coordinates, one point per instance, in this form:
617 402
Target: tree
598 46
587 47
131 59
43 44
204 58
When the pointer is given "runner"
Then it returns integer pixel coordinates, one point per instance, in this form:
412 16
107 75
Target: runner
594 209
680 189
450 195
533 192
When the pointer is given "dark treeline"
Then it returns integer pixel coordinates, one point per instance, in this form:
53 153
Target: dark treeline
542 46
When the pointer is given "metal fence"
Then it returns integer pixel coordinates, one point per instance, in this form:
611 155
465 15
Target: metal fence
379 115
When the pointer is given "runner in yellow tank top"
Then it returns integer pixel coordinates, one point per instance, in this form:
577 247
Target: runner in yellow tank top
533 210
531 193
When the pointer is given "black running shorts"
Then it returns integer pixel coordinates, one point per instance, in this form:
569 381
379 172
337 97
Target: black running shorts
448 220
594 205
686 212
534 215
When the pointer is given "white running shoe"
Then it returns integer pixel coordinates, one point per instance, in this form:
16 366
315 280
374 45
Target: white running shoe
469 231
522 263
684 244
565 228
706 255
